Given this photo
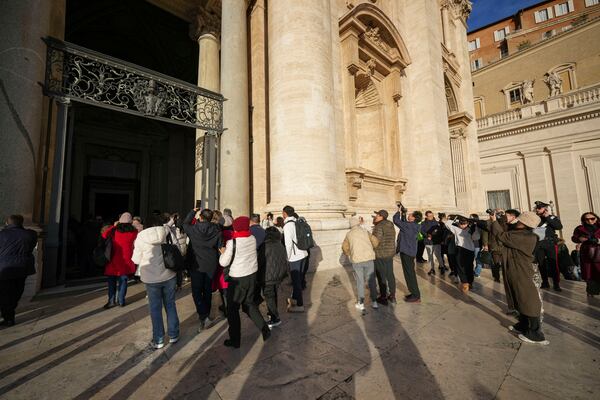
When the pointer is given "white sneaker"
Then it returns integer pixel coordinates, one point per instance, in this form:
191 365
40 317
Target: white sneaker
360 306
375 305
174 340
156 345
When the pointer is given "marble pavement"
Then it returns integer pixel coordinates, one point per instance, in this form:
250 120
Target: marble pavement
451 346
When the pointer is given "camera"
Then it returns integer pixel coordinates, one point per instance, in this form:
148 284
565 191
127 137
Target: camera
489 211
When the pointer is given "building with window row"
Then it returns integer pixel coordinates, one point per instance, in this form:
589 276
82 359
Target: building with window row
531 25
538 119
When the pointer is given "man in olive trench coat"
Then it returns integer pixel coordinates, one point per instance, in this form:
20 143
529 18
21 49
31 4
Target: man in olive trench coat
517 256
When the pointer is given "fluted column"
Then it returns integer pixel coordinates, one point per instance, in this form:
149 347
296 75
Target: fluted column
304 172
234 156
205 30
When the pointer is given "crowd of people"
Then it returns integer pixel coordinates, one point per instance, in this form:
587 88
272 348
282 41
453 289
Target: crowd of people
246 259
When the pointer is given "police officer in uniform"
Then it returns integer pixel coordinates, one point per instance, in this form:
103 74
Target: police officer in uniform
546 251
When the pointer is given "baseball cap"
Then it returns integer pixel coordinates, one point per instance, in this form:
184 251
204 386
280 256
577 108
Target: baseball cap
383 213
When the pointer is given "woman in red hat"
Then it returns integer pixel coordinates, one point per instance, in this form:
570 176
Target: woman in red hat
240 259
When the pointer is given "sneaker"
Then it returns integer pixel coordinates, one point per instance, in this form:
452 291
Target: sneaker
412 299
375 305
273 323
525 339
465 288
360 306
407 296
431 272
206 323
456 280
230 343
557 288
110 304
392 299
174 340
157 345
382 300
8 322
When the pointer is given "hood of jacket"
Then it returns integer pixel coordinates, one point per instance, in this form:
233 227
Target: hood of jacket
208 230
272 234
153 235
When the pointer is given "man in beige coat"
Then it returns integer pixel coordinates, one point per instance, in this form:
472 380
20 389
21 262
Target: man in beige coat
358 246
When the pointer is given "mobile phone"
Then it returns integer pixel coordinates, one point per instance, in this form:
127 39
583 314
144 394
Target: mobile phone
199 204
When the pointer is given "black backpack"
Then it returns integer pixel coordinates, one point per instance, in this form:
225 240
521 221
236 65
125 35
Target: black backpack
304 235
172 255
103 252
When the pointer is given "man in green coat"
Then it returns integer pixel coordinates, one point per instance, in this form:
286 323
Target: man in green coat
517 256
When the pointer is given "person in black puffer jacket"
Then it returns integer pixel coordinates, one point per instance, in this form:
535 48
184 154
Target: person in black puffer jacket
273 268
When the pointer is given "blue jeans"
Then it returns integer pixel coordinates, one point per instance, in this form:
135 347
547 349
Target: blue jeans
478 264
163 294
112 288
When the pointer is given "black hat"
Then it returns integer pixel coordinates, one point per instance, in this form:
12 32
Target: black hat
541 204
512 211
384 214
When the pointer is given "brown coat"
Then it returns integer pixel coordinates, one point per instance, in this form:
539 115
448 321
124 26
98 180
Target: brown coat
385 233
517 256
359 244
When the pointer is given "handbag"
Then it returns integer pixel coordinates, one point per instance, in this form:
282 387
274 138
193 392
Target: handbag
103 252
485 257
172 256
226 269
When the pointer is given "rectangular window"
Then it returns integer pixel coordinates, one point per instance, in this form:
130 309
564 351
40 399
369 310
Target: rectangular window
589 3
472 45
478 109
561 9
504 50
476 64
515 95
498 199
566 81
501 34
541 16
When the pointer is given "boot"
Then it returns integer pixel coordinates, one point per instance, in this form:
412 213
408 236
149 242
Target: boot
520 326
534 333
556 285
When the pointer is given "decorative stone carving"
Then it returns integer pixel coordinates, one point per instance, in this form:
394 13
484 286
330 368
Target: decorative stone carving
354 183
350 4
373 34
199 153
458 133
527 90
205 21
371 65
554 83
460 8
399 189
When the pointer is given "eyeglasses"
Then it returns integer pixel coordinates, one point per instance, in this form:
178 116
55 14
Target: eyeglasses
591 219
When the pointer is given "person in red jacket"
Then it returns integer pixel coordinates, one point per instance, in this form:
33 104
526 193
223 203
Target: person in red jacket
120 266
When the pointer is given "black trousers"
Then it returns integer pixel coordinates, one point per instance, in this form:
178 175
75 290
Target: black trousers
420 250
201 292
270 293
240 292
11 291
452 263
464 265
410 275
496 265
384 270
546 258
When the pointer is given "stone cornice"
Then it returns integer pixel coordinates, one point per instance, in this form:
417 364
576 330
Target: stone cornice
533 126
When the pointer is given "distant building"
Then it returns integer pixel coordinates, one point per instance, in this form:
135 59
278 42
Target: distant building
538 113
527 27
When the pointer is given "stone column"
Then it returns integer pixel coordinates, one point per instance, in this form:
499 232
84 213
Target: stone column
304 171
205 30
234 159
23 109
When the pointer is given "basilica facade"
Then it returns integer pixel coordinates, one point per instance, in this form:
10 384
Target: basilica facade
336 107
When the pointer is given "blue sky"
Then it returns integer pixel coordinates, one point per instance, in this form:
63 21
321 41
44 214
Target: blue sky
487 11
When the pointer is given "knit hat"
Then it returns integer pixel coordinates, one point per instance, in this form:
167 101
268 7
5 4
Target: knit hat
241 224
125 218
529 219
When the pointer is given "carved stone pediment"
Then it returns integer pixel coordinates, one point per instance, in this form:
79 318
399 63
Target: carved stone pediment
356 178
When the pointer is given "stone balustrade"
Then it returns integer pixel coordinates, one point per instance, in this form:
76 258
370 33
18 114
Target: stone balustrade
573 99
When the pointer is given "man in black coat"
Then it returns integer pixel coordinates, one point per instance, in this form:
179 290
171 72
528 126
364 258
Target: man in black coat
546 251
205 240
16 263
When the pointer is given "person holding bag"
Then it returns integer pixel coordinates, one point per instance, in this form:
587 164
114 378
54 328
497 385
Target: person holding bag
161 282
120 266
588 235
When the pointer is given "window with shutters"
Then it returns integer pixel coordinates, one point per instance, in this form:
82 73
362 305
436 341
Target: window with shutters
476 64
514 96
561 9
589 3
541 16
474 44
500 34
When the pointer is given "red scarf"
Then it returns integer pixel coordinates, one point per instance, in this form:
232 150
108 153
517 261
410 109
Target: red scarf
241 234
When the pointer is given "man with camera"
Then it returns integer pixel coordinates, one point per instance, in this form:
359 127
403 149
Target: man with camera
466 235
546 252
407 248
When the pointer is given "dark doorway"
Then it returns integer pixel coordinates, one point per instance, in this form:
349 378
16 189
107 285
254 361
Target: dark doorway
110 205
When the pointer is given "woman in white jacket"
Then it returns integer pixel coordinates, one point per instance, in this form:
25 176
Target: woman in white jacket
161 283
239 255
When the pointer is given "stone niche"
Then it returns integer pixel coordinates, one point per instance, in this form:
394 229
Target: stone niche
374 58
